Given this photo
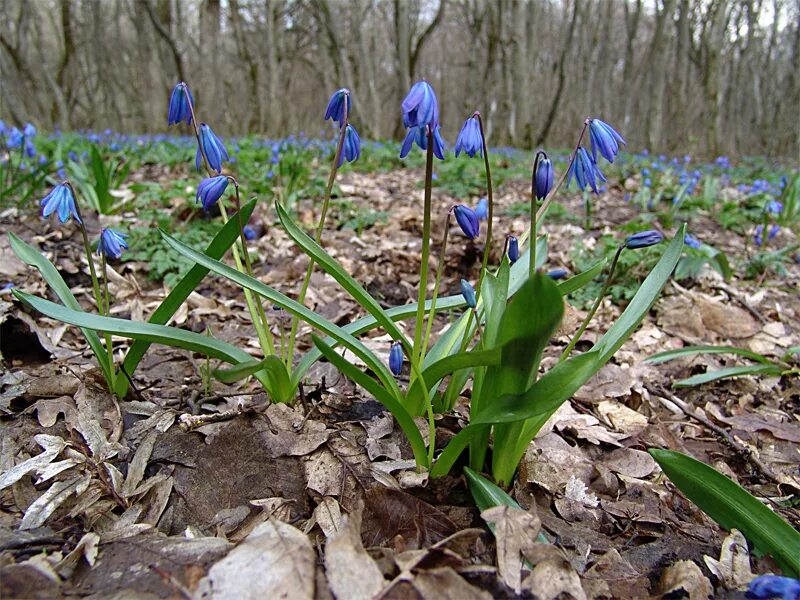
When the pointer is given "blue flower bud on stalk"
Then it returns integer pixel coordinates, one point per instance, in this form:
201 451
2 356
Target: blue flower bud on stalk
467 220
111 243
469 139
513 249
210 191
396 358
351 148
469 293
691 241
557 273
643 239
336 105
180 105
605 139
543 178
213 148
61 201
585 171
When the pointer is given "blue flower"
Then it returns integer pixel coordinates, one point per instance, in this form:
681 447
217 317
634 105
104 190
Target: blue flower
543 178
396 358
61 201
111 243
351 148
15 138
336 106
181 103
691 241
468 292
773 231
249 232
604 138
643 239
210 191
482 209
420 107
773 586
585 171
757 236
420 136
29 130
467 220
513 249
469 139
213 148
774 207
557 273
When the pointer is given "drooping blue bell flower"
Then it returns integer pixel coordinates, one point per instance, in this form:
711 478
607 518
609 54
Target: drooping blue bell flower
111 243
558 273
643 239
15 138
29 131
420 136
213 148
585 171
469 138
691 241
773 586
336 106
420 107
181 103
482 209
543 178
351 147
61 201
396 358
605 139
468 292
210 191
467 220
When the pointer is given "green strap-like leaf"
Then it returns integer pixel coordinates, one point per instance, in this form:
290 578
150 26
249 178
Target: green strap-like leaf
382 395
335 270
158 334
692 350
733 507
280 387
31 256
223 240
568 286
729 372
292 306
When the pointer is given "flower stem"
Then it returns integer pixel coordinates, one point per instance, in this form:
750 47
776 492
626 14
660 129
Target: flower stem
423 270
439 270
253 302
594 308
318 235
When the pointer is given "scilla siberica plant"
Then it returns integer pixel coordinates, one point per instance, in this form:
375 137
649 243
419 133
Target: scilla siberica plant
497 343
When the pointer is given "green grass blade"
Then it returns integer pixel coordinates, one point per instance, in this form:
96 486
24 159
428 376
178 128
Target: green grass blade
220 244
291 306
662 357
728 372
392 403
31 256
733 507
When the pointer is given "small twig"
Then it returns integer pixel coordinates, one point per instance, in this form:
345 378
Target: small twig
705 421
347 466
735 295
192 422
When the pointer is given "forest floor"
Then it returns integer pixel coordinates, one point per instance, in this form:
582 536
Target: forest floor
146 498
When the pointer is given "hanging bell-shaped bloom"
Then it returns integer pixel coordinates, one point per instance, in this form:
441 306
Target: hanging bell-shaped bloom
111 243
604 139
482 209
585 171
469 139
210 191
213 149
180 105
336 106
468 292
467 220
543 178
643 239
420 136
420 107
351 147
558 273
61 201
396 358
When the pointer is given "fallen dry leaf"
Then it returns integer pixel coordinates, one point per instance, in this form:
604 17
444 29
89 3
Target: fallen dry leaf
686 577
352 573
733 567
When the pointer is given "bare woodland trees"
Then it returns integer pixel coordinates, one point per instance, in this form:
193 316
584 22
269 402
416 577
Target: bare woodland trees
714 76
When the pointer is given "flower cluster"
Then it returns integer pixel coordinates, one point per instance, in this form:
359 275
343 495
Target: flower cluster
603 140
421 118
